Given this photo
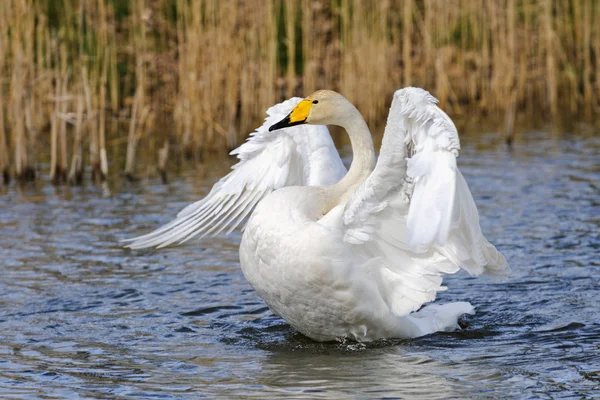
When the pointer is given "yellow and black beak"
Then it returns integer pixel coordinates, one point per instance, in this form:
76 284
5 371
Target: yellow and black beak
298 116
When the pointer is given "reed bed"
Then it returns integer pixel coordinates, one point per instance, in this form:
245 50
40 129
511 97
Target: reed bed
178 78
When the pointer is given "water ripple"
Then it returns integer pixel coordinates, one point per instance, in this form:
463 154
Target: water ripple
81 317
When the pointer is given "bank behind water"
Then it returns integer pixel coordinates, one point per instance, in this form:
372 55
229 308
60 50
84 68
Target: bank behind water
87 79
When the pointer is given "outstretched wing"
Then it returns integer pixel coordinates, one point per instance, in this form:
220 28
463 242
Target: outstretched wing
303 155
416 210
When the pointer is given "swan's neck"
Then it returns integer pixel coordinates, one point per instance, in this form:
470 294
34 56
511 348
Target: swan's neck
363 161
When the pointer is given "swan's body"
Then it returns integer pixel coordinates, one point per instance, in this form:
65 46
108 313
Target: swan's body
352 257
298 263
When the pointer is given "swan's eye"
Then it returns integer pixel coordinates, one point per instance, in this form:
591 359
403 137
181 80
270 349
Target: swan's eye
315 101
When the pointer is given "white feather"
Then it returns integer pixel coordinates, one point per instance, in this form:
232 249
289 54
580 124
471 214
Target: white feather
356 260
417 213
303 155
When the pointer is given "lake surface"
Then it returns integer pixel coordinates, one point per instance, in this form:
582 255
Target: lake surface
82 317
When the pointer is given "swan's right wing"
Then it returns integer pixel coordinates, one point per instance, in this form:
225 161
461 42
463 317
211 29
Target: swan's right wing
302 155
414 218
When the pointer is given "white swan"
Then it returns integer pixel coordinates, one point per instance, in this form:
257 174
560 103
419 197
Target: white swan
353 258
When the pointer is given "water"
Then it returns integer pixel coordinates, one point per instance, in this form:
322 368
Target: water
81 317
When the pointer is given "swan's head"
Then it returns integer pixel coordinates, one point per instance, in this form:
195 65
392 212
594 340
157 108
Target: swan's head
323 107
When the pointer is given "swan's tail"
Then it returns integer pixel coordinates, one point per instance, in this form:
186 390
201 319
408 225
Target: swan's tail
434 317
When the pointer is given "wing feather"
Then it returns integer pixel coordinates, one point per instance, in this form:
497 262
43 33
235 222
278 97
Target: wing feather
300 155
414 218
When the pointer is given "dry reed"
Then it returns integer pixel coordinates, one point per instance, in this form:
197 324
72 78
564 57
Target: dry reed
169 77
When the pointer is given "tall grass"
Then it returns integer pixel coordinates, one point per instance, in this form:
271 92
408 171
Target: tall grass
181 77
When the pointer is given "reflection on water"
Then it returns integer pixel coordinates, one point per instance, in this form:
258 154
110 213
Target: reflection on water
81 316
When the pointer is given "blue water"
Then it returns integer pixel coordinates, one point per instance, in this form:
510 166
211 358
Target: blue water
82 317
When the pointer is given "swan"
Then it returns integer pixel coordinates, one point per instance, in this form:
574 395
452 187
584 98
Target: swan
348 255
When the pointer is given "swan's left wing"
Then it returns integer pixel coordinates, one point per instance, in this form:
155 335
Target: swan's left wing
414 218
302 155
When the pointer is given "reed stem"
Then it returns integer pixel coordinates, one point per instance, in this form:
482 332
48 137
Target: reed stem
196 76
